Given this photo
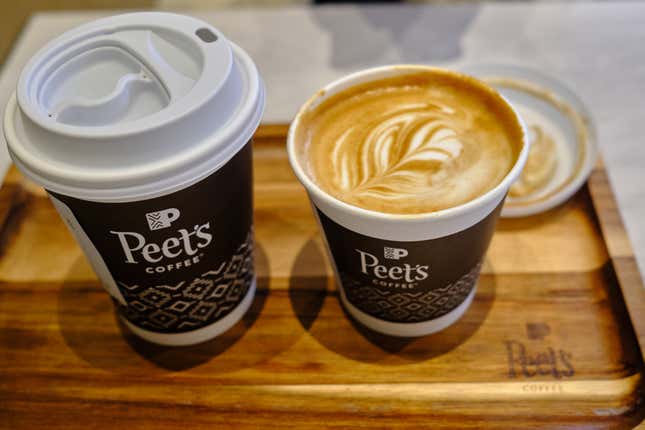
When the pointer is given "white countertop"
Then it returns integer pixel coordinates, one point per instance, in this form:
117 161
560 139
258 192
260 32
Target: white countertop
596 48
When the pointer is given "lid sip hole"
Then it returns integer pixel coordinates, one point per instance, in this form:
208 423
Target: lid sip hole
206 35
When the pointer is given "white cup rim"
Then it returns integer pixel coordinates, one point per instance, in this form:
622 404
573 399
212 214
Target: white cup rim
378 73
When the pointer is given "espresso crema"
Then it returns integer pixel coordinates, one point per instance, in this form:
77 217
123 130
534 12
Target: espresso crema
410 144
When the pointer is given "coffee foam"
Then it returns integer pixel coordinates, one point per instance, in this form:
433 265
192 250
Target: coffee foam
414 143
540 166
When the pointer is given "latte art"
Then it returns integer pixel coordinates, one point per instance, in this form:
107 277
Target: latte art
411 144
401 154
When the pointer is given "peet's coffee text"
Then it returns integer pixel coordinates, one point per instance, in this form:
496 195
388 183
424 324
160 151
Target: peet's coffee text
395 276
184 244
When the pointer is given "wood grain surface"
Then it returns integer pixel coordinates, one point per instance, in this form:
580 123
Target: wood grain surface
554 337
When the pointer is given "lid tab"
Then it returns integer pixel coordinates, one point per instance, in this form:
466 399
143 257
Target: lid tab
137 72
121 76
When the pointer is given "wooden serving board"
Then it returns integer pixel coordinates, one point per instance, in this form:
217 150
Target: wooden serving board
553 339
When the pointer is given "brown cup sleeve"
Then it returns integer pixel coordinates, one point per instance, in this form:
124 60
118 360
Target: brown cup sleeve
411 281
181 261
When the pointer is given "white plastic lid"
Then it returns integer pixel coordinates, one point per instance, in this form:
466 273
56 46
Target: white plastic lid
558 123
132 106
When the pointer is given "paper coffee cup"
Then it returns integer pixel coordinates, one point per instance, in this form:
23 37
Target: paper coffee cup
138 126
403 275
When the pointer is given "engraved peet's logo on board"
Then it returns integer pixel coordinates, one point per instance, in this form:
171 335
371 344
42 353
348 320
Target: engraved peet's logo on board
535 358
389 273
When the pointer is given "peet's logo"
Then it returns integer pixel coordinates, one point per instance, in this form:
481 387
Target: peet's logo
540 362
403 276
394 253
162 219
184 244
536 358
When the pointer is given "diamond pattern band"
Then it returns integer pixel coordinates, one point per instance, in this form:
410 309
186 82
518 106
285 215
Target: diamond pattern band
409 306
195 303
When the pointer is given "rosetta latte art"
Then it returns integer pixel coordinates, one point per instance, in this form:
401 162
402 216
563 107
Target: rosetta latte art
401 154
411 144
